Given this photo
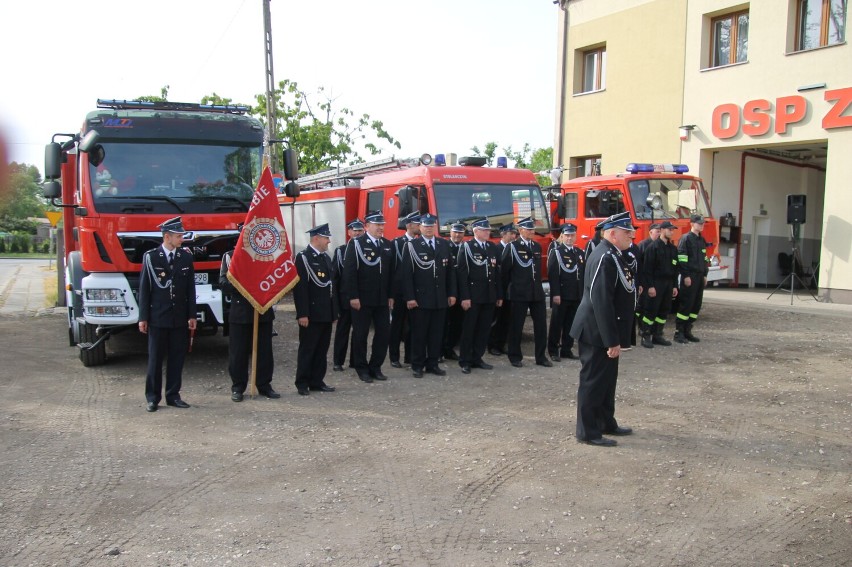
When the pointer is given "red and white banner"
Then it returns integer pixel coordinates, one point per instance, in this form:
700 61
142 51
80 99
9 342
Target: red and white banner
262 267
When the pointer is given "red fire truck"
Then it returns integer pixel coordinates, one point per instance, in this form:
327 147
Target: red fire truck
132 166
652 193
454 193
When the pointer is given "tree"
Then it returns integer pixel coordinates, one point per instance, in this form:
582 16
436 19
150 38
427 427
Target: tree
24 199
164 96
489 153
527 158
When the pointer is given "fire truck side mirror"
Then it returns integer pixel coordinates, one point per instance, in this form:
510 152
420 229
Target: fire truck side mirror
291 165
291 189
52 189
52 161
90 145
406 201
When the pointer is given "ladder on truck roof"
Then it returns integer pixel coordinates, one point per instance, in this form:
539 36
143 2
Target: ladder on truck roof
353 174
165 105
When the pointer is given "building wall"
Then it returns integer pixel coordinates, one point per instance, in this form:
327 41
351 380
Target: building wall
659 77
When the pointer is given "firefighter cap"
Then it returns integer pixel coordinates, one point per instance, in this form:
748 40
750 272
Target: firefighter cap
355 224
527 223
666 224
508 228
375 217
654 225
620 220
569 228
411 218
175 226
457 227
320 230
697 219
428 220
482 223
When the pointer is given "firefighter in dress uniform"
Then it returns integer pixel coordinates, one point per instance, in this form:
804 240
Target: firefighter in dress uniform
343 328
565 269
167 313
400 329
693 266
659 277
368 266
631 256
455 315
428 287
502 314
520 270
601 327
480 292
240 327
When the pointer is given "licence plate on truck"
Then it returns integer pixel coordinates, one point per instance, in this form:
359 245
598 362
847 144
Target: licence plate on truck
201 277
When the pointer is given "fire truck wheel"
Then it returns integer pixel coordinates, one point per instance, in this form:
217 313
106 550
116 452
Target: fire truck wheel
95 356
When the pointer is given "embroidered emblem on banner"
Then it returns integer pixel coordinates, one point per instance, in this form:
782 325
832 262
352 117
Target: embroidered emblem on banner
264 242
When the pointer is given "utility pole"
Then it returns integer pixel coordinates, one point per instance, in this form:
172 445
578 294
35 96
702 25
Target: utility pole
271 157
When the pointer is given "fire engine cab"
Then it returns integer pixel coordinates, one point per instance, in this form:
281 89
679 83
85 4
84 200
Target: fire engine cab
651 192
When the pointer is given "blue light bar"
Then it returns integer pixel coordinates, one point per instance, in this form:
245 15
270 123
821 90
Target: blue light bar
680 168
639 168
502 162
440 159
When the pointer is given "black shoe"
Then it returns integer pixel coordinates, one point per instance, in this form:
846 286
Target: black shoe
620 431
496 352
647 341
546 363
660 340
517 364
377 375
152 406
365 378
482 365
323 388
178 403
465 369
338 368
417 373
451 355
303 391
270 393
679 338
396 364
599 442
555 358
436 371
691 338
236 396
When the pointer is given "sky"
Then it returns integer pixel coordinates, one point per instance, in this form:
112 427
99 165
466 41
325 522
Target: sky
443 75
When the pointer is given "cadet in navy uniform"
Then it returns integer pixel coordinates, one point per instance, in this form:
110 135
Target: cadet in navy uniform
565 269
693 267
520 270
659 277
316 311
502 315
400 329
428 281
166 311
455 315
480 293
344 313
368 266
601 327
241 324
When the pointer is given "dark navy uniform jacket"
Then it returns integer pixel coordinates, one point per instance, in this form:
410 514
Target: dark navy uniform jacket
478 272
430 286
605 315
337 266
164 304
371 284
565 269
659 264
522 283
314 295
241 311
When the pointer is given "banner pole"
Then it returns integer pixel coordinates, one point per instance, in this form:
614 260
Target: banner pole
253 380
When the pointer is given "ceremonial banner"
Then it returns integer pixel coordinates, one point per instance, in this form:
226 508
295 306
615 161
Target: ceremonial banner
262 266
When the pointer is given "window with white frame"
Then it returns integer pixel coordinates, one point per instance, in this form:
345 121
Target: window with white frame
594 70
820 23
730 39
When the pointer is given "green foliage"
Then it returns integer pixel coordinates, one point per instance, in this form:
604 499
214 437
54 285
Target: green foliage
24 198
164 96
527 158
12 224
2 245
489 153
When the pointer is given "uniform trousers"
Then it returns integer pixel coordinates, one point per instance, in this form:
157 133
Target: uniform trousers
427 337
559 339
658 307
400 330
342 338
596 392
239 355
312 360
691 298
474 336
538 312
453 327
171 344
379 317
500 327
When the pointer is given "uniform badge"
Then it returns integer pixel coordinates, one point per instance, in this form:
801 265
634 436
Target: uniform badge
264 239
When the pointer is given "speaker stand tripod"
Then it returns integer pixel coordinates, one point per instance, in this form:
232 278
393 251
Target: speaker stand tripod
793 277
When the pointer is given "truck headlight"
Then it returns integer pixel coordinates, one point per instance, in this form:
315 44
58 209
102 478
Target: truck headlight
103 294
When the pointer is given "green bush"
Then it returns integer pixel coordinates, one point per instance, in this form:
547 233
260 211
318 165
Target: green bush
45 246
23 242
2 245
14 249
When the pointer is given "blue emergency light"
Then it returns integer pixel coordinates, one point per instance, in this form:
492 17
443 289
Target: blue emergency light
656 168
440 159
502 162
639 168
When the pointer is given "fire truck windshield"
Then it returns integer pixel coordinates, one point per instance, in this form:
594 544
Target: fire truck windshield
502 204
678 198
174 178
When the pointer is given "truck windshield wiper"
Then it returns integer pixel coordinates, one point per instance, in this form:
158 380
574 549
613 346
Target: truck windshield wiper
146 198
